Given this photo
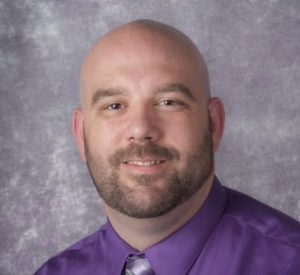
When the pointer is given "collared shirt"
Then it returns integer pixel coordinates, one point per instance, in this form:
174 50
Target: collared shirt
231 234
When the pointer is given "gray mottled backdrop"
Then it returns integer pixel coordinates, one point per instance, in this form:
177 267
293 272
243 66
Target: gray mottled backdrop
48 201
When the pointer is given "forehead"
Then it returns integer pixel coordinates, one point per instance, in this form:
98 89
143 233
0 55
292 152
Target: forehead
138 60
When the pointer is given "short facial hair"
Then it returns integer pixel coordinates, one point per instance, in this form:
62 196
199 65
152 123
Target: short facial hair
182 179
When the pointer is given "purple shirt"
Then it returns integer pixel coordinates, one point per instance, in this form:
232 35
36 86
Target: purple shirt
231 234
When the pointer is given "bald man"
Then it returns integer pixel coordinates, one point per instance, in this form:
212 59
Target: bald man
148 130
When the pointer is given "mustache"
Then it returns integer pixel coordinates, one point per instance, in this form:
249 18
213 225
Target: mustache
135 150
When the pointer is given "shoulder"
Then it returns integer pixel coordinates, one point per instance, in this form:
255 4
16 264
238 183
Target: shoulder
76 258
262 230
268 221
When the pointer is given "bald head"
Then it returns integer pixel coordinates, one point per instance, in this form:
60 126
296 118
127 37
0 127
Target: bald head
142 41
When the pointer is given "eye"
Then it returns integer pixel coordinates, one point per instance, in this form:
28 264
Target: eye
114 106
170 105
168 102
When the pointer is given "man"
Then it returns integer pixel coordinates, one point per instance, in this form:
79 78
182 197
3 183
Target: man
148 130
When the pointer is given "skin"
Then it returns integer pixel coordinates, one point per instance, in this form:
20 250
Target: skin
138 59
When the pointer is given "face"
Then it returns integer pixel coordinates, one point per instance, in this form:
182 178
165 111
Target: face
143 198
147 131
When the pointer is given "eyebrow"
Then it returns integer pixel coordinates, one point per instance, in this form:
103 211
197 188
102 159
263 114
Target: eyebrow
178 88
167 88
103 92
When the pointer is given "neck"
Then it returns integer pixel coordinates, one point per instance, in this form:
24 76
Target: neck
143 233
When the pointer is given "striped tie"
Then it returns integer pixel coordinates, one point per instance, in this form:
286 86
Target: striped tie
138 265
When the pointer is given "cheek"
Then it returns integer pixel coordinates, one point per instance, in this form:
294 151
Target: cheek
103 137
184 133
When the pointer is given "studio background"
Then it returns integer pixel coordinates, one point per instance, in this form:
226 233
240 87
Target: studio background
47 199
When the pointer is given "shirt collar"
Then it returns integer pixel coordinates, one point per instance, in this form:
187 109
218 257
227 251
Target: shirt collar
175 254
117 251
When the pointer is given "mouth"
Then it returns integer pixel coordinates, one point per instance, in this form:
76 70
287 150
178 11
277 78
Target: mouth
145 166
144 163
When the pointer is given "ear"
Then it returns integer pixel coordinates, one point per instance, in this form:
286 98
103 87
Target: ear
217 116
78 131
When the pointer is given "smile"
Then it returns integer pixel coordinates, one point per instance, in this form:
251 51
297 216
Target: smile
144 163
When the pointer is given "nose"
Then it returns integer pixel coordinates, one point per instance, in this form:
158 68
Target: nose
142 125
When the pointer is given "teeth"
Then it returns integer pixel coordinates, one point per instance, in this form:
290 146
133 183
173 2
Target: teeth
146 163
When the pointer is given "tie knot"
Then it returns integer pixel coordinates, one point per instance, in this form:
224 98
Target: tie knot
138 265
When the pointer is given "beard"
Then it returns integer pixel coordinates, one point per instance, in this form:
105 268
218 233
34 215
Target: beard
182 178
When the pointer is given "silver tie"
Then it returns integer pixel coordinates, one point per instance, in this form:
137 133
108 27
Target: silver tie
137 265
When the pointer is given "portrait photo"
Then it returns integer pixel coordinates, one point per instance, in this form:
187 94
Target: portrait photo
150 137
